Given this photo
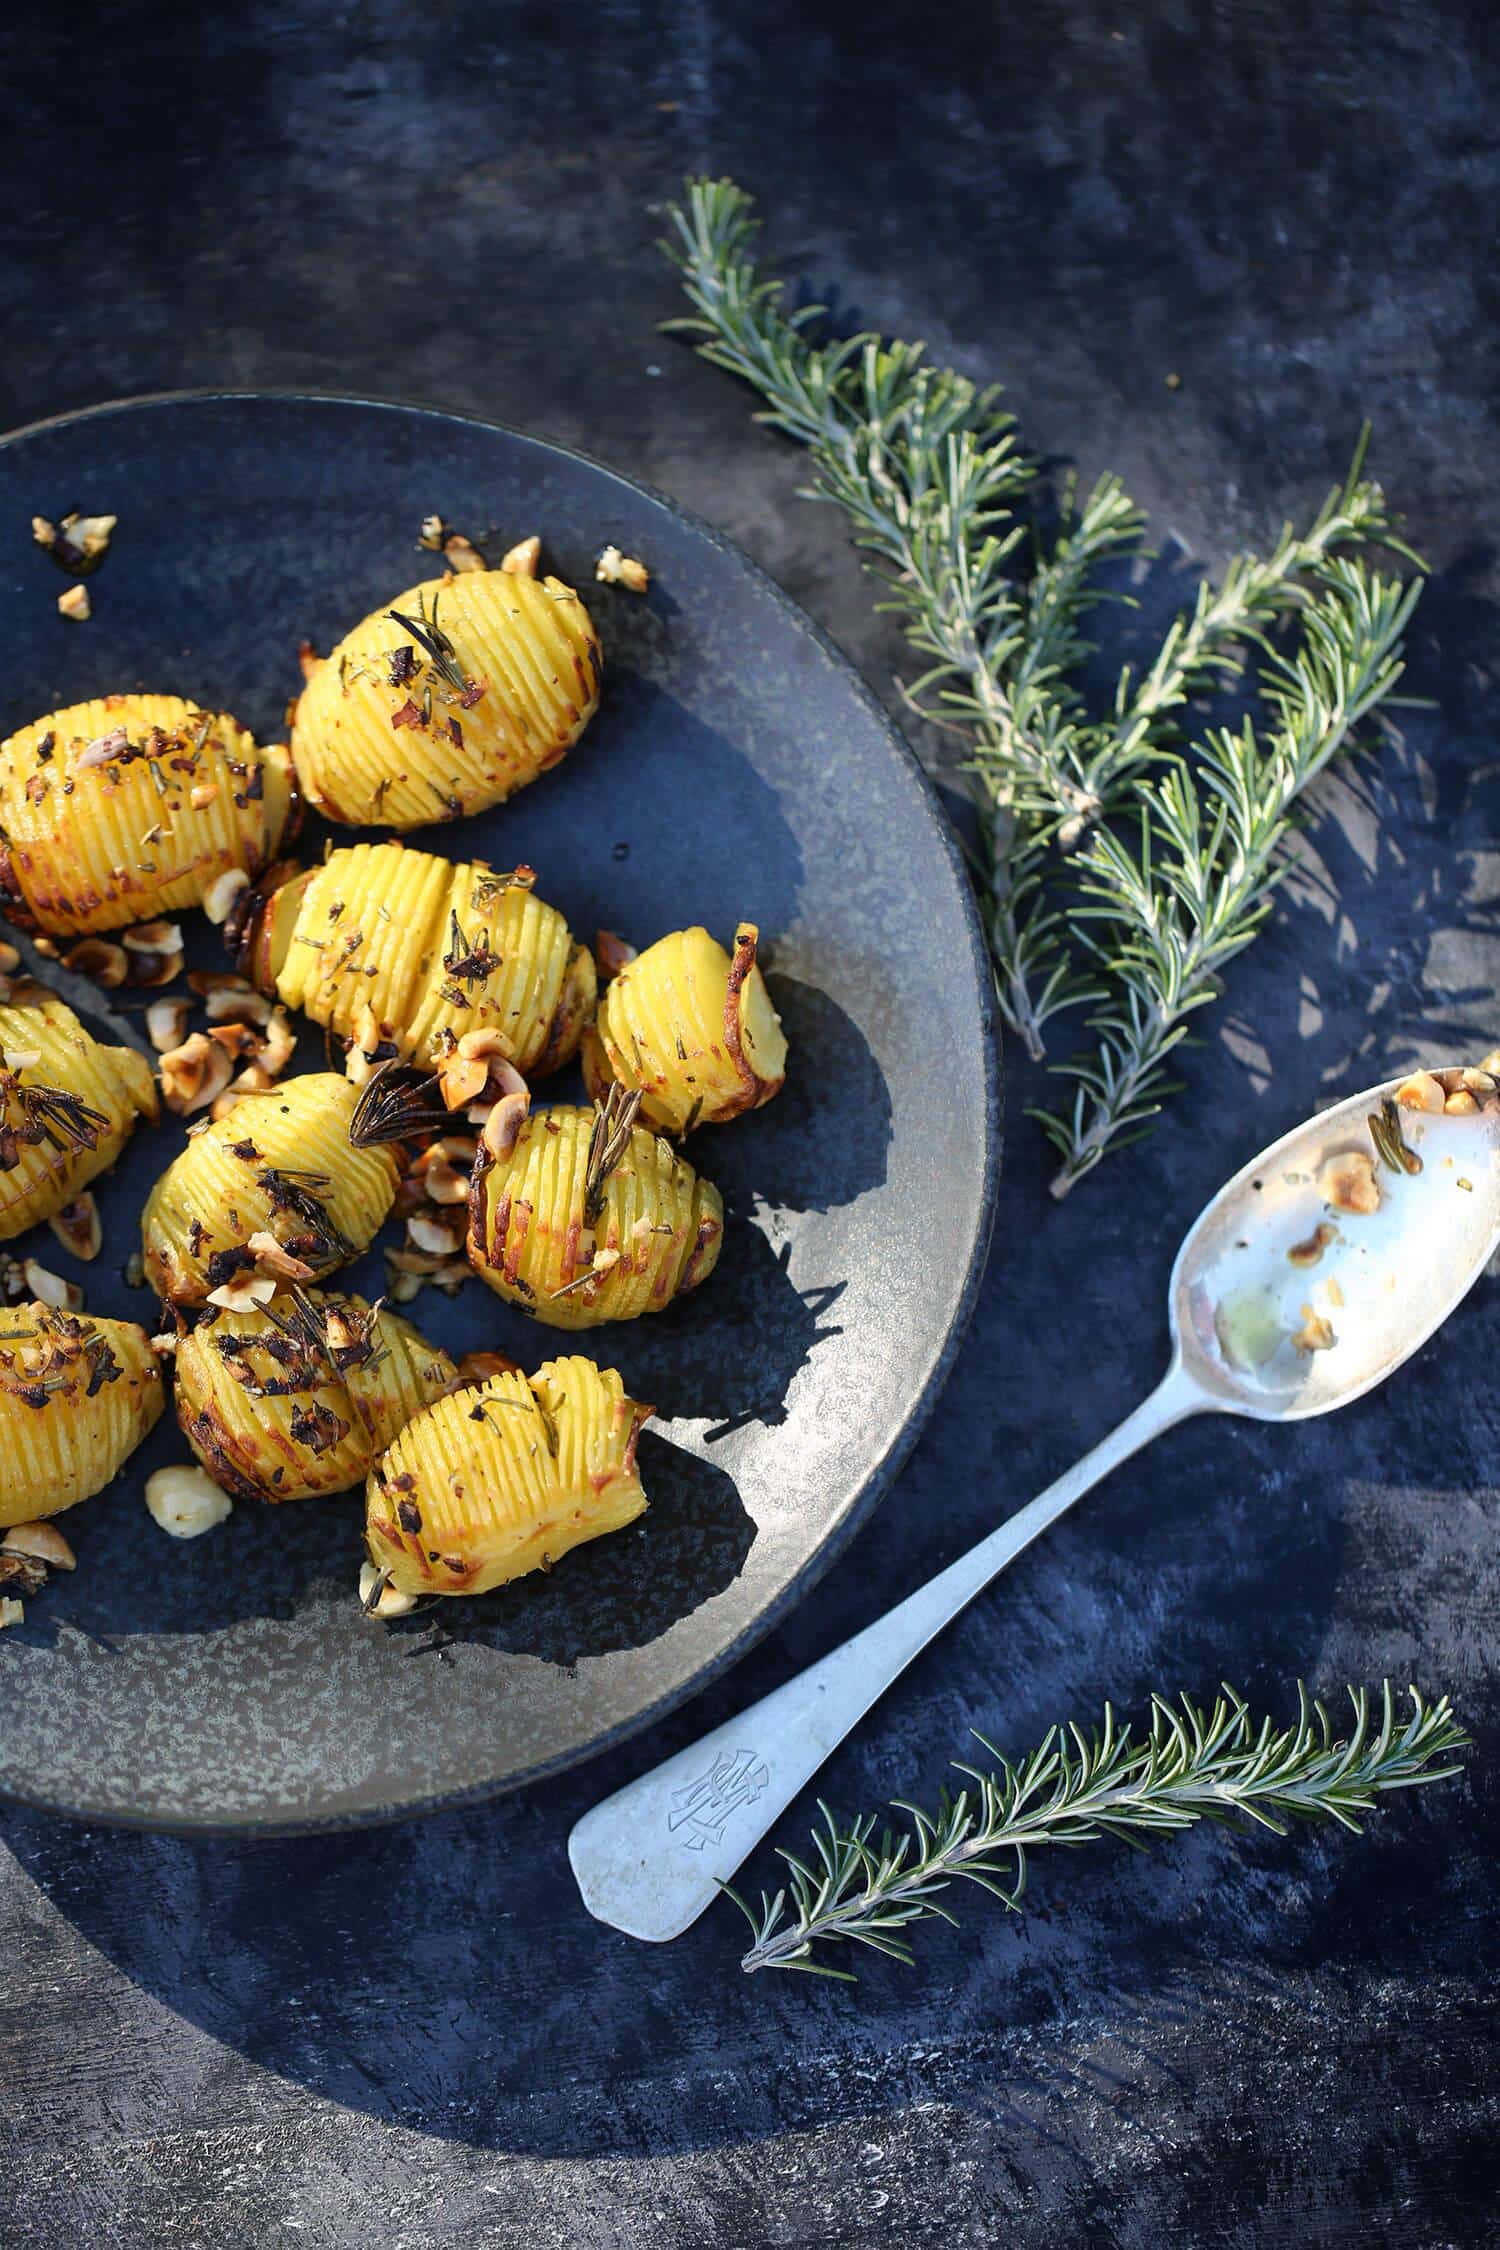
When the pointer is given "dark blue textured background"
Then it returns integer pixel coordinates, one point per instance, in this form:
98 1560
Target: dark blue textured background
418 2037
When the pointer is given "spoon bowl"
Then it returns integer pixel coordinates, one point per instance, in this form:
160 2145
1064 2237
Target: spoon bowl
1289 1299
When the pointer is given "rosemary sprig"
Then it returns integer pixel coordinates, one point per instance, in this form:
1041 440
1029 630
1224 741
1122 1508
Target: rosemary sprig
927 470
1189 1765
1181 906
397 1100
609 1138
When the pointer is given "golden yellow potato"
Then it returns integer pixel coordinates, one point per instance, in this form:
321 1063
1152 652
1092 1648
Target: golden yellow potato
279 1165
130 807
591 1218
67 1106
503 1478
76 1397
401 951
297 1397
454 696
692 1029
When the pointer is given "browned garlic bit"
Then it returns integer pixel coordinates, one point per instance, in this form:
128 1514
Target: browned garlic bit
1348 1182
75 603
521 559
100 958
194 1073
615 569
1315 1334
77 1227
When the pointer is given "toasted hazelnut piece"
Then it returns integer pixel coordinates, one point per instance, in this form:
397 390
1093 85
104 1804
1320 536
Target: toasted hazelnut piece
504 1123
377 1599
49 1288
100 958
75 603
403 1287
615 569
437 1170
244 1293
1348 1182
238 1040
461 554
186 1502
193 1074
478 1068
77 1226
521 559
43 1542
1421 1091
1315 1334
154 953
219 898
152 937
10 959
273 1258
164 1345
11 1613
231 1005
612 953
441 1237
206 982
359 1068
1461 1104
434 531
167 1024
479 1367
280 1044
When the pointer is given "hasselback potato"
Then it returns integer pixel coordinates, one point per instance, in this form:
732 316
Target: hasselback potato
297 1397
457 694
402 951
692 1029
497 1480
130 807
269 1188
76 1397
67 1106
590 1217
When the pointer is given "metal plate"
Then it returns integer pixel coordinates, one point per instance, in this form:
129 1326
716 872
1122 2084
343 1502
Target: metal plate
737 768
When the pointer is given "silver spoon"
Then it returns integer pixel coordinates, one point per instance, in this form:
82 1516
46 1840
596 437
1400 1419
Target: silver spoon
1286 1299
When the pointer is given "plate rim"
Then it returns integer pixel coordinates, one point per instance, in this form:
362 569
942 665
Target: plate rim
877 1485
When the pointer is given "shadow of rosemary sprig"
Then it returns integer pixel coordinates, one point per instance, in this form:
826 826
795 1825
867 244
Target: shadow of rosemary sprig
927 469
857 1888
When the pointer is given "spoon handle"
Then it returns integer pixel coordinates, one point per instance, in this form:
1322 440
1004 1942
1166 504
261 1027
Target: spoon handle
650 1858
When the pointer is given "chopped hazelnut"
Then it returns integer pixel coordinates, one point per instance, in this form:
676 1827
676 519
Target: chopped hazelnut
43 1542
442 1237
11 1613
244 1293
615 569
612 953
1421 1091
186 1502
77 1227
193 1074
1348 1182
219 898
167 1023
49 1288
1315 1334
387 1602
99 958
521 559
461 554
75 603
433 533
272 1257
1461 1104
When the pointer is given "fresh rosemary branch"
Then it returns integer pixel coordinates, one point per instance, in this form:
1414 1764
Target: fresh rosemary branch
1074 1788
1193 895
927 470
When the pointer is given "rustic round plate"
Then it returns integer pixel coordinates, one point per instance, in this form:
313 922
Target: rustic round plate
737 768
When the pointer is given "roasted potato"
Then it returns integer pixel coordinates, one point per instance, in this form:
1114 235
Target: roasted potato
67 1106
133 806
401 952
271 1192
454 696
503 1478
692 1029
76 1397
297 1397
589 1217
